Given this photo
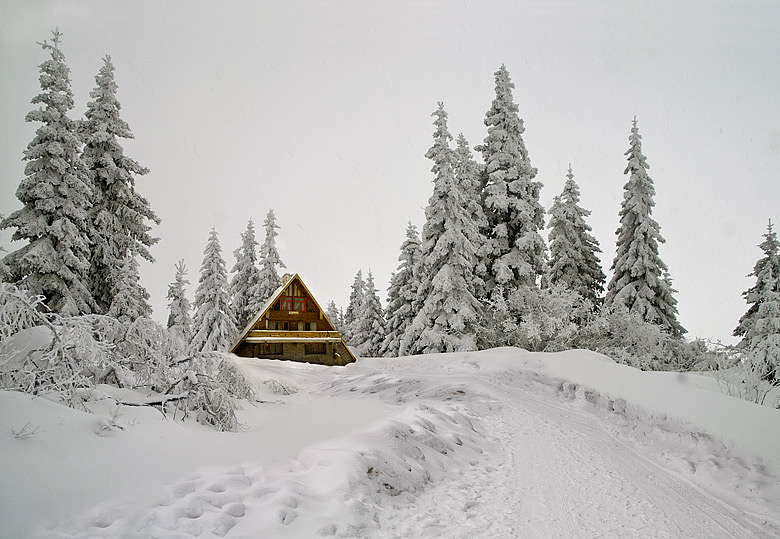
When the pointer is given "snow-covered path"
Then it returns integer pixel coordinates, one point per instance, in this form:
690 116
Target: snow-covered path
565 476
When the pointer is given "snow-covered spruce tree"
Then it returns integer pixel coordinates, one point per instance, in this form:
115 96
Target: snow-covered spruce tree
468 175
759 327
214 323
56 195
246 278
131 300
334 315
268 280
179 319
355 306
369 327
448 309
119 214
514 254
573 260
640 281
401 293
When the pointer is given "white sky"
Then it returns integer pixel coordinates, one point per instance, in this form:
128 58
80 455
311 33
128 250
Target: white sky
321 111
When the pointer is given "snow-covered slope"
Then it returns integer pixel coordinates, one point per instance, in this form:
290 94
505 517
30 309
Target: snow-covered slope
501 443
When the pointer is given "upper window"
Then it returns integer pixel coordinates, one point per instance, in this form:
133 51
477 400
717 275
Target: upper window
288 303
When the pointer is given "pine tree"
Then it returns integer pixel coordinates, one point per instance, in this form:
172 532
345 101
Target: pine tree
447 308
119 213
352 316
369 326
246 278
401 294
131 300
268 280
759 327
640 280
56 196
514 254
179 319
214 321
573 260
468 173
334 315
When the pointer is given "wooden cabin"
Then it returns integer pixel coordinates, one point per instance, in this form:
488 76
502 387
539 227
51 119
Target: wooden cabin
292 325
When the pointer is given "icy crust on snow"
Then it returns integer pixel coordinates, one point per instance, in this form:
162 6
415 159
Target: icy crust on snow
500 443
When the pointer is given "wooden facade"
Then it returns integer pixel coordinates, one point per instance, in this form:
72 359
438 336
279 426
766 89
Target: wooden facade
294 327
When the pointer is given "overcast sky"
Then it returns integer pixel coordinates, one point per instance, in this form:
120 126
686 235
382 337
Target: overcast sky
321 111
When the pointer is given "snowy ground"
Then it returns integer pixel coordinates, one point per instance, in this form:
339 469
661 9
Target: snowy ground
495 444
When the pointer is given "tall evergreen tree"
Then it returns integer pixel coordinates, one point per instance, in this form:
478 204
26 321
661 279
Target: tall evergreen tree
214 321
767 274
179 319
369 325
515 253
573 260
334 315
119 214
448 309
640 281
56 196
352 315
268 279
246 278
468 175
131 300
401 293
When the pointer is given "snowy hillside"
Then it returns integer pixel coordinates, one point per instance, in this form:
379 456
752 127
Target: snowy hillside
500 443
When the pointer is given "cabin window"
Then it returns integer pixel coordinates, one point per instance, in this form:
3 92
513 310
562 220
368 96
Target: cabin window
279 326
315 348
289 303
310 326
268 349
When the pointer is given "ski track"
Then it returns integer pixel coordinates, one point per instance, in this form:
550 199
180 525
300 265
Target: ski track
537 467
563 476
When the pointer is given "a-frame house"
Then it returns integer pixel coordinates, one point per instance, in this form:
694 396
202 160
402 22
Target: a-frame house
291 325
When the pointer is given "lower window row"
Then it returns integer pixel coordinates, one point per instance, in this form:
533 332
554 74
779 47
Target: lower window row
277 349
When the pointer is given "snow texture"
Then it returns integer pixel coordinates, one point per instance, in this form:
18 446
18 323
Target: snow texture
500 443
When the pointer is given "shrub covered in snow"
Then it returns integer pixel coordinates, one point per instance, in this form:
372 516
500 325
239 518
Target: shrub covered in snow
65 358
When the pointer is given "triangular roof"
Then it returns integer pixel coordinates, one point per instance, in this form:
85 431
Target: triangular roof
270 302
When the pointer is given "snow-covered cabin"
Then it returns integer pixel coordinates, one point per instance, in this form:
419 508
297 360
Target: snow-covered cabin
291 325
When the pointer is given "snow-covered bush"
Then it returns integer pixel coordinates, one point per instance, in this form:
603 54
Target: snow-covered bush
742 375
628 339
64 358
42 353
210 380
534 319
